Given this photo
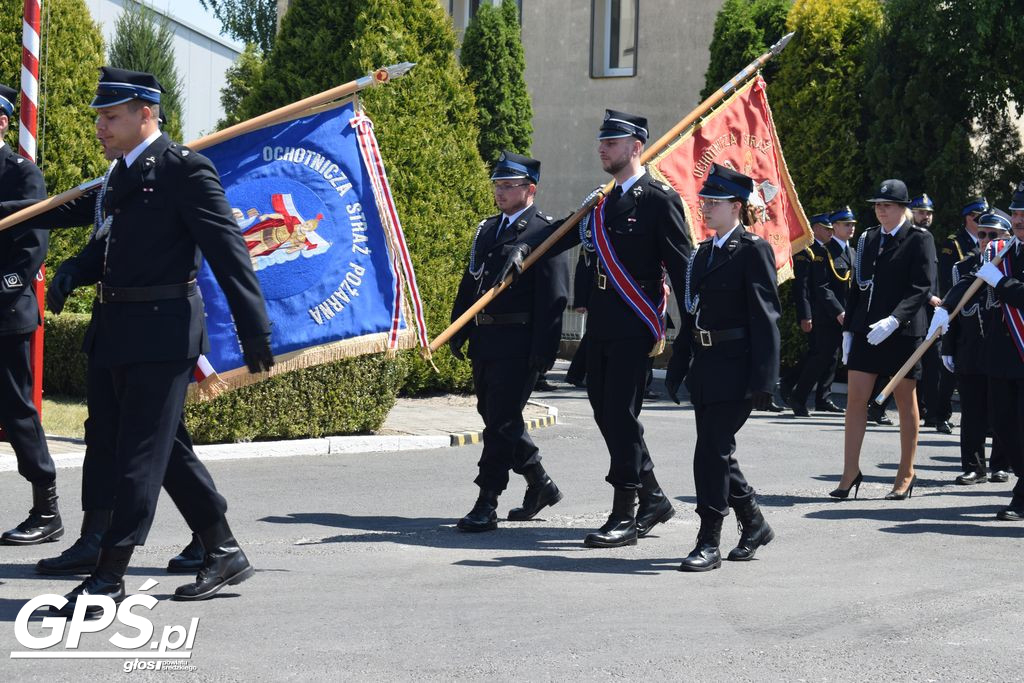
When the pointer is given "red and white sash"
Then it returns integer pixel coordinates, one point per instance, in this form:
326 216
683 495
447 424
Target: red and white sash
1013 316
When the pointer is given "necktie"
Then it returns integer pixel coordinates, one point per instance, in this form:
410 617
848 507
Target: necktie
615 194
714 252
501 227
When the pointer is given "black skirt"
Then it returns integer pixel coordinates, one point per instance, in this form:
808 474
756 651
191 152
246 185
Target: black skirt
885 359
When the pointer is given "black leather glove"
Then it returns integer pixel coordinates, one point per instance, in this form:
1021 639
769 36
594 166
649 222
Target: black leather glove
761 399
674 376
57 292
455 346
514 262
257 354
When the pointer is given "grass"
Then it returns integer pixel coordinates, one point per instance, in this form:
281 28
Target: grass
64 416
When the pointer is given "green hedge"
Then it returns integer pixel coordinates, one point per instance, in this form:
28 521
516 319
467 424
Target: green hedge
63 360
345 397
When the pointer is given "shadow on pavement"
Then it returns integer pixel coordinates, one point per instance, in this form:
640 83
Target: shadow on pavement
437 532
580 564
962 521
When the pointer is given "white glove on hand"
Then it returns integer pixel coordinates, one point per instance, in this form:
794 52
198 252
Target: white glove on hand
847 343
990 274
940 319
881 330
948 362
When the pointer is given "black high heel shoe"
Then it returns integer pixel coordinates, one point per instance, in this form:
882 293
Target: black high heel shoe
843 494
902 495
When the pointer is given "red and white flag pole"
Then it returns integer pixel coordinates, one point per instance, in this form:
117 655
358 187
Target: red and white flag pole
27 148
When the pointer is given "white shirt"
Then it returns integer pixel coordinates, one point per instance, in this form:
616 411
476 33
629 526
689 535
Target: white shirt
841 242
720 241
894 231
131 156
512 219
632 180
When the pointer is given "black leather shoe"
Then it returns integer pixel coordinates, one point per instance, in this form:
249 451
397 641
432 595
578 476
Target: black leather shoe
1012 513
224 565
799 409
43 524
754 531
620 529
828 407
540 493
879 417
544 385
81 557
189 560
999 477
654 506
968 478
705 556
774 407
483 516
944 427
580 382
107 578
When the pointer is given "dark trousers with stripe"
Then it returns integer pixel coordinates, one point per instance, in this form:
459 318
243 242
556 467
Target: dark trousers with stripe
616 380
502 389
18 414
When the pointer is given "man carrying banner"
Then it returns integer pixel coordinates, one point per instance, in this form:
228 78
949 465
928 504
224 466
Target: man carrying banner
513 340
1003 345
727 351
160 211
22 252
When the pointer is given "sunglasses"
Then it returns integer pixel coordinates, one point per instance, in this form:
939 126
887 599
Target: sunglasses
986 235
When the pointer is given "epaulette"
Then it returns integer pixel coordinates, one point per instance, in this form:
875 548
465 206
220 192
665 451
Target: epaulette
951 236
918 228
544 217
664 187
751 237
180 150
19 159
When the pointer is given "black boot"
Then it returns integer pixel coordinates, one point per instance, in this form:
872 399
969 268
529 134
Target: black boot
705 556
654 506
1014 512
484 515
43 524
81 557
620 529
189 560
754 531
106 579
540 493
224 564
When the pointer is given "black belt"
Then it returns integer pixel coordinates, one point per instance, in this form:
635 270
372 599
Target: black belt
712 337
107 294
601 280
501 319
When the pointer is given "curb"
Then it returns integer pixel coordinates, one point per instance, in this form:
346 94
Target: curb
330 445
549 420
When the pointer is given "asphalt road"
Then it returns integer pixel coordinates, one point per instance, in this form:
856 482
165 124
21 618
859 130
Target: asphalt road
362 575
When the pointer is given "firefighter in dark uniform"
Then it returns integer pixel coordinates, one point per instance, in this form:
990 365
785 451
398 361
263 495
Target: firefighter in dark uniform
935 390
583 280
635 237
728 353
800 293
511 341
894 271
826 267
963 354
147 327
954 249
22 252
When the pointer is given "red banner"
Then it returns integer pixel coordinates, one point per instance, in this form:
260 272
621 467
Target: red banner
740 134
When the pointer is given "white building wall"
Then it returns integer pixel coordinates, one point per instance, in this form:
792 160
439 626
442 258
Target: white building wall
201 58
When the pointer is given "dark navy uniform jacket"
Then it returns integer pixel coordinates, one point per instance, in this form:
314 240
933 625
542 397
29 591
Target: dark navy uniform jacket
803 284
738 291
22 248
965 339
648 231
540 293
169 212
954 249
832 276
903 274
1001 356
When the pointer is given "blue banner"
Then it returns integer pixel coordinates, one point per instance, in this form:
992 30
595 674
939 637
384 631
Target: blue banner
305 204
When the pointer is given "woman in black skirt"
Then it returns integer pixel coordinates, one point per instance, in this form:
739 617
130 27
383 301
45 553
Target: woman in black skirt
885 322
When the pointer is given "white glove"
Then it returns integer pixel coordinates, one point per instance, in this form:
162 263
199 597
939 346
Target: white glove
990 274
881 330
948 362
847 343
940 319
